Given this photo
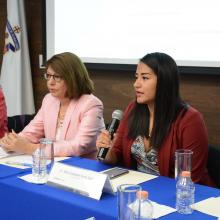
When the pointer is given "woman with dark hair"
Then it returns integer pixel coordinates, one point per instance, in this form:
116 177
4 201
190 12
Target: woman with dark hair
70 114
157 123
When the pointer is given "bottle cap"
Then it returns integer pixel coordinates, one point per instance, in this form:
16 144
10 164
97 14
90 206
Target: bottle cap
185 174
142 194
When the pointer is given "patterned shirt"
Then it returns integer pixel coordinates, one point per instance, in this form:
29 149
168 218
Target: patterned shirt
146 161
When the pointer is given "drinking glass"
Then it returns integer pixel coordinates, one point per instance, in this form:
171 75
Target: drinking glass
183 161
43 160
127 201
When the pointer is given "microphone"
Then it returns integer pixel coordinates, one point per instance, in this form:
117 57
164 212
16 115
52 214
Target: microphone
113 126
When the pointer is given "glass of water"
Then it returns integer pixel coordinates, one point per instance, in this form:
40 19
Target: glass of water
43 160
183 161
128 204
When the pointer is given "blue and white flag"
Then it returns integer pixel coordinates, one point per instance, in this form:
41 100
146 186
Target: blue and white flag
16 80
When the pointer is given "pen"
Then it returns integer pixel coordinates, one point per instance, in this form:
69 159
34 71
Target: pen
16 163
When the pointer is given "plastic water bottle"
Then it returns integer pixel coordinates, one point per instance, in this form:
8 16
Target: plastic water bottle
185 193
146 208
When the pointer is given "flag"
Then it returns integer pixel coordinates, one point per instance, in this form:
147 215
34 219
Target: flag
15 79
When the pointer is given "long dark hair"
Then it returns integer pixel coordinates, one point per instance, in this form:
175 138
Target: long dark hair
167 101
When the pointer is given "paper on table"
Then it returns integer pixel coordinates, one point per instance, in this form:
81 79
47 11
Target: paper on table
31 179
4 154
133 177
209 206
161 210
22 161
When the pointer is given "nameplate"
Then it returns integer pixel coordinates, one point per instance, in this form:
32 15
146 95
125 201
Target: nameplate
78 180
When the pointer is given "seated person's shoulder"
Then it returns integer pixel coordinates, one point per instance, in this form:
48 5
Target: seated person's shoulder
90 99
48 98
190 114
1 93
129 107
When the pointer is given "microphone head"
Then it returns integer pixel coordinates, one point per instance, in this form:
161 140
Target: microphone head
117 114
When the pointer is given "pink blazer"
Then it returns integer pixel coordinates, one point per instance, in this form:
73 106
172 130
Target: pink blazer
82 124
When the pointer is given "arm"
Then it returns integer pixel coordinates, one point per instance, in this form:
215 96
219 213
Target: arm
27 140
122 144
195 138
35 129
104 141
13 142
120 150
3 111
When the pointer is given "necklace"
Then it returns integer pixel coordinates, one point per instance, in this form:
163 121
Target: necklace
61 114
60 119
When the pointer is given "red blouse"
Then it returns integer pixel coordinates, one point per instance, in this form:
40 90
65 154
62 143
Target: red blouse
3 115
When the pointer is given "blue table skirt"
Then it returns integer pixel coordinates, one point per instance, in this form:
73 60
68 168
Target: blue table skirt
22 200
7 171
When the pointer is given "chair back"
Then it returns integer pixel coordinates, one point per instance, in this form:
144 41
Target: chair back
18 122
213 164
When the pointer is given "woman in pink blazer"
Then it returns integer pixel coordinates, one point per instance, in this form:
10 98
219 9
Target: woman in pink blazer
70 114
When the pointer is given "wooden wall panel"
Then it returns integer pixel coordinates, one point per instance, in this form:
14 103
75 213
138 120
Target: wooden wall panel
115 88
203 92
34 27
200 91
34 21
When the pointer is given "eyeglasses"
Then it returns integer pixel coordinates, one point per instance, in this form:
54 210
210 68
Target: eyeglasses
56 78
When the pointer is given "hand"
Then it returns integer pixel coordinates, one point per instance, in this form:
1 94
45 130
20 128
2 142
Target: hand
104 140
13 142
4 142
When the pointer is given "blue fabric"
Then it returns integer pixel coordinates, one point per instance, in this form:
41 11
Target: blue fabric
87 164
70 160
162 190
6 171
22 200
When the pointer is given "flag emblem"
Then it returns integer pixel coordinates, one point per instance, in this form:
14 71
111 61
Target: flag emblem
11 39
16 77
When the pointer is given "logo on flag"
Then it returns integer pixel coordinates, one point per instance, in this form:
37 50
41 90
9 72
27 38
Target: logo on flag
11 40
16 77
